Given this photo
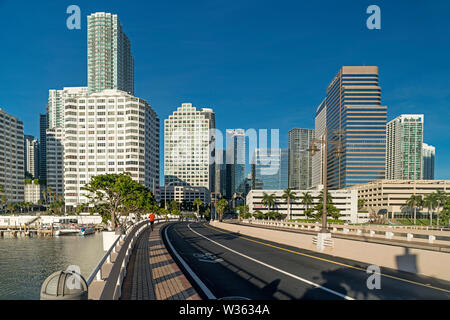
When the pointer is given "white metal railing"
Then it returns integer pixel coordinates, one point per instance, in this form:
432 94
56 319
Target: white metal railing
385 232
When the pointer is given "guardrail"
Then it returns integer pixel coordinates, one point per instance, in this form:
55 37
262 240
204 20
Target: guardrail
381 232
112 288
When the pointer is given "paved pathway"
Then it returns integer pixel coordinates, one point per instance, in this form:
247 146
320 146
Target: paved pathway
152 274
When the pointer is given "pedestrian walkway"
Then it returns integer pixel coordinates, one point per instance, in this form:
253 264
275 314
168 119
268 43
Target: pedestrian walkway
152 274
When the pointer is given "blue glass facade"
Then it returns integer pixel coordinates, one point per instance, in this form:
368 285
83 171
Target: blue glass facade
270 169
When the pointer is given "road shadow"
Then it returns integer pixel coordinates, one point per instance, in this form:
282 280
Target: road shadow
407 262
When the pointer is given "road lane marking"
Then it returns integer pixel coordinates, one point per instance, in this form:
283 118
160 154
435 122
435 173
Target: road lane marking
275 268
331 261
199 282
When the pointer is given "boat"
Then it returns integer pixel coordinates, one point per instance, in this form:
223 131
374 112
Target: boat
66 232
66 227
84 231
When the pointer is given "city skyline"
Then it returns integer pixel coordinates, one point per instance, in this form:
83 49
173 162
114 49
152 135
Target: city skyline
298 92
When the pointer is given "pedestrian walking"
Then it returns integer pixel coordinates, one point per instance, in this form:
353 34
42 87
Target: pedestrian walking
151 217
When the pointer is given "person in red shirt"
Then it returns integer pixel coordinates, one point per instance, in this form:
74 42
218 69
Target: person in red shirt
151 217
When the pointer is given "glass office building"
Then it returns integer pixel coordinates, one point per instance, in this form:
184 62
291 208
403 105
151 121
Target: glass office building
110 62
428 153
355 115
300 160
404 148
235 159
270 169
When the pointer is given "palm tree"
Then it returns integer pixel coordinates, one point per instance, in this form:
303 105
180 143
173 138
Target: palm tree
431 203
361 203
243 211
289 196
441 197
221 207
4 201
329 197
414 202
268 200
198 202
11 207
307 200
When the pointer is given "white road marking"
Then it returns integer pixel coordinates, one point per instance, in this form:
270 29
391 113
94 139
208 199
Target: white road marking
276 269
199 282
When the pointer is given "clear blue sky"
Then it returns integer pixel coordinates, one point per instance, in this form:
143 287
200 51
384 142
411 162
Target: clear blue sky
258 64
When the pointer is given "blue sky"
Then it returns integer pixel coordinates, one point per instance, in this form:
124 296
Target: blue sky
258 64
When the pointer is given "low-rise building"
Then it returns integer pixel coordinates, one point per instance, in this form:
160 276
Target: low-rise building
33 191
390 196
345 200
185 194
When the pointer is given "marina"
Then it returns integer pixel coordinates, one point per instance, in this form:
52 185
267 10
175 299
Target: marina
26 261
49 226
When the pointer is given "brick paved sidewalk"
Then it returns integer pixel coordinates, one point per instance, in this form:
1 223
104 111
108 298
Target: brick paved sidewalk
152 274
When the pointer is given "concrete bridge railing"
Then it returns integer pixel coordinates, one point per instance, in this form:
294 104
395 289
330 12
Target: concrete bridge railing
399 257
441 236
105 281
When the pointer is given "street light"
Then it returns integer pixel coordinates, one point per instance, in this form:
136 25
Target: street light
313 149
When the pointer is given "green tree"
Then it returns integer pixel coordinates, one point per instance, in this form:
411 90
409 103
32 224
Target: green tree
268 200
11 207
174 207
329 197
414 202
441 198
198 202
361 203
289 196
431 203
307 200
221 207
445 213
243 211
259 215
4 201
113 195
331 211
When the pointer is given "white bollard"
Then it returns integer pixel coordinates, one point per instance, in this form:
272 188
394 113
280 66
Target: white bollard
372 233
389 235
409 236
346 230
431 239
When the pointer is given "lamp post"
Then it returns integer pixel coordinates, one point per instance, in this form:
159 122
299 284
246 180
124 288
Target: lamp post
324 142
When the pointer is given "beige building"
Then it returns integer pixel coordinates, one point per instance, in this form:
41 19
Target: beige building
33 192
345 200
11 157
391 195
185 193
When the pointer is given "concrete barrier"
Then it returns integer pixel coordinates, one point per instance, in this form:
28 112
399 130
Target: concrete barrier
424 262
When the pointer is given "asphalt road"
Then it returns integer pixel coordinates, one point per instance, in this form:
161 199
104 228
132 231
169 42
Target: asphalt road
222 265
